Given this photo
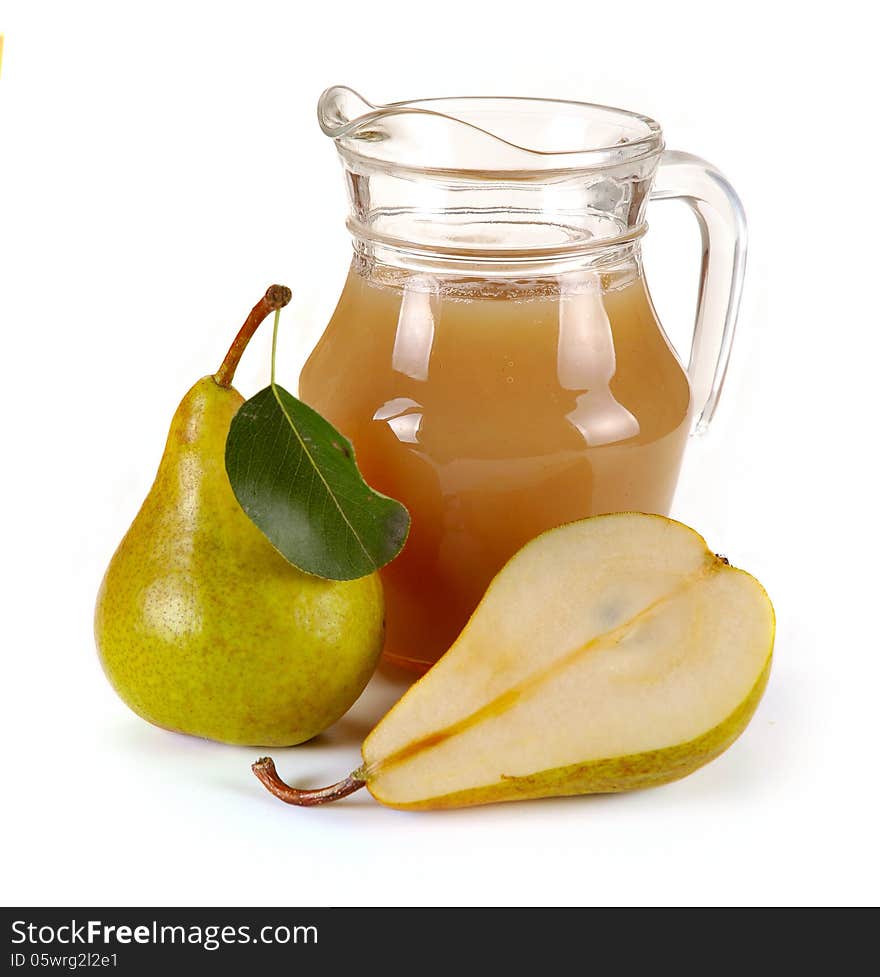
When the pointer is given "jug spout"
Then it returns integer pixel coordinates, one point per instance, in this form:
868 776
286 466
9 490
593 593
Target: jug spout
342 112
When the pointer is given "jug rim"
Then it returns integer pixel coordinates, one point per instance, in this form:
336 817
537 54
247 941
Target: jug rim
362 129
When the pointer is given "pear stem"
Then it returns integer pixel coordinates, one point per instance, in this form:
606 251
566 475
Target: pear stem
266 773
276 297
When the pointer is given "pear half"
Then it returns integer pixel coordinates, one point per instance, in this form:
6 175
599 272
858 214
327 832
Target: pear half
609 654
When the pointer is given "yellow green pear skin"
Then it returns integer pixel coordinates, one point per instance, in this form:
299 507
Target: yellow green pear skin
202 627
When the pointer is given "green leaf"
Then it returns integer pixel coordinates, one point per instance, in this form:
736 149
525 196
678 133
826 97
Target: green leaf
296 478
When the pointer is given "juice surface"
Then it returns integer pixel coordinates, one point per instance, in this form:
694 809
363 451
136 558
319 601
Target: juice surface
494 411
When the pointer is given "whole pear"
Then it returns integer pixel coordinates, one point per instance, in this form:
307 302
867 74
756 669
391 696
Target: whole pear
202 626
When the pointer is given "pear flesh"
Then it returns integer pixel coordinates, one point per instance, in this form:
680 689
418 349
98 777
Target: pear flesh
609 654
204 628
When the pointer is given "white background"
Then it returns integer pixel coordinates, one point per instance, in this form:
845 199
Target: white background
160 165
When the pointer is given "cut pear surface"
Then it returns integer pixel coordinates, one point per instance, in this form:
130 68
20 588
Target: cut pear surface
609 654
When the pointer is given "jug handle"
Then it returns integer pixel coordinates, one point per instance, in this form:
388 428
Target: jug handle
722 221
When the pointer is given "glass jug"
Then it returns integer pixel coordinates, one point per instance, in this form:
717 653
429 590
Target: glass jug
495 357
